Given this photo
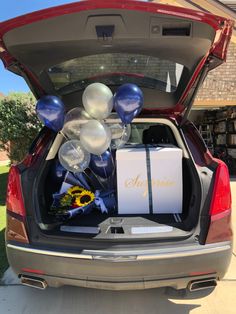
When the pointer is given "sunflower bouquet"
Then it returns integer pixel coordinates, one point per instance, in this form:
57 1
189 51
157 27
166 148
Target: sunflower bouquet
76 200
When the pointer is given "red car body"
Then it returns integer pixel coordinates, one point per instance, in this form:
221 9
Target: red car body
198 260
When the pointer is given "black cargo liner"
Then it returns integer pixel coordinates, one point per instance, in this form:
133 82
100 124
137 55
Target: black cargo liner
189 217
120 226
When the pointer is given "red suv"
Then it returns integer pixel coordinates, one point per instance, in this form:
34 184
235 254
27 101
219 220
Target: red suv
167 51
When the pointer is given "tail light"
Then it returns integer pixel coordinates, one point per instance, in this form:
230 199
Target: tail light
15 201
15 208
16 213
220 211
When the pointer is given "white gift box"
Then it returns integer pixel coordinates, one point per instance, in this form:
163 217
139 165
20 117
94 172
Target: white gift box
149 180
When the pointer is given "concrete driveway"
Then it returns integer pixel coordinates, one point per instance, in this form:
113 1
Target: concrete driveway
16 299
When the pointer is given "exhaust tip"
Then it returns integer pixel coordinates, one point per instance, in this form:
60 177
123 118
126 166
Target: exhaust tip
202 284
33 282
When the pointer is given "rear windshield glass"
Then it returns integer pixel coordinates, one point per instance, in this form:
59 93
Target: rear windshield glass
116 69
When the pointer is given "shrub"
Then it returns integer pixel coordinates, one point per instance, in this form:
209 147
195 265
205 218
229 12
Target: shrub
18 124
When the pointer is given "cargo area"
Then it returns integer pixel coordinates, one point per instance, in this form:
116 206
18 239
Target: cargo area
123 224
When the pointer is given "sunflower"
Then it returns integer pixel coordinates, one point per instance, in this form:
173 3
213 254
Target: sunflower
75 191
85 198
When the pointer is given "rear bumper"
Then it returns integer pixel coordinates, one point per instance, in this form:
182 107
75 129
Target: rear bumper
113 270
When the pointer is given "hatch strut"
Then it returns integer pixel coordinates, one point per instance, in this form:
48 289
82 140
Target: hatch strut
202 76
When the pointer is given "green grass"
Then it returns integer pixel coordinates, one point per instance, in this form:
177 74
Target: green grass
3 183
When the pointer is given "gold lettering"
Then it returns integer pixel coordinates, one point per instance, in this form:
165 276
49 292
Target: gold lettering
145 192
128 183
137 182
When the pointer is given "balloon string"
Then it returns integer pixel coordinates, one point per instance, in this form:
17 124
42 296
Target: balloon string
112 160
123 132
107 177
95 177
111 178
104 168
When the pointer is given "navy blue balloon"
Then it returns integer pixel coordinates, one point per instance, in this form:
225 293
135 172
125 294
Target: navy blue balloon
50 110
103 165
57 173
128 102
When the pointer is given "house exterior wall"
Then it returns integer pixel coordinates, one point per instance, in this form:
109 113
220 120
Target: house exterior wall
220 84
219 88
3 157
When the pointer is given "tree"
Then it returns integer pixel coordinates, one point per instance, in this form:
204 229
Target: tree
18 124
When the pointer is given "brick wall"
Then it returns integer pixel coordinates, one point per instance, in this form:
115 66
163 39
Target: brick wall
220 83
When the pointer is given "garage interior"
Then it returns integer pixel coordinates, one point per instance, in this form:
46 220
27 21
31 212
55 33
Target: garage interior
218 129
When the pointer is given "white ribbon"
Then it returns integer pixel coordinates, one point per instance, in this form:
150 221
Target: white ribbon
100 203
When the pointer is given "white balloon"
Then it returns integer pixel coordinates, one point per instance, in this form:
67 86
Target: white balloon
73 121
95 137
98 100
73 156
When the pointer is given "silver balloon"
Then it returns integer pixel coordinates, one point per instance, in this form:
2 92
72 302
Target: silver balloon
120 135
116 130
114 123
73 121
95 137
73 156
98 100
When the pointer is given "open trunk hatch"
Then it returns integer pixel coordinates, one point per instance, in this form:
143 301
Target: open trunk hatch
159 47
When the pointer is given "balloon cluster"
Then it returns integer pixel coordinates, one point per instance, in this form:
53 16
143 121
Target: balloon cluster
89 137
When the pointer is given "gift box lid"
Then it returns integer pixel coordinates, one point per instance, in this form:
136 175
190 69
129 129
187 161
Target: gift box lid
165 150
